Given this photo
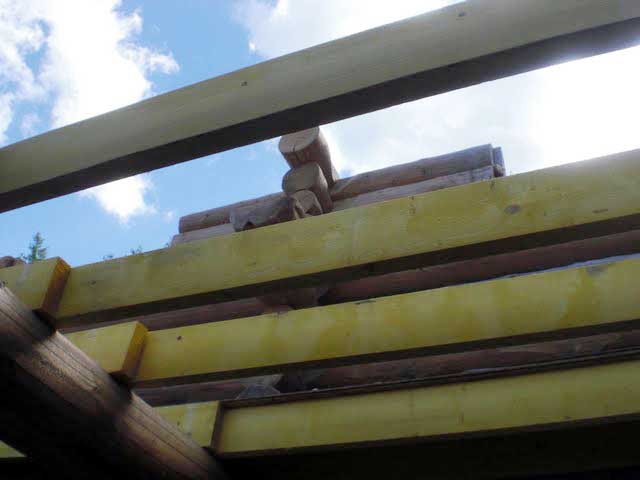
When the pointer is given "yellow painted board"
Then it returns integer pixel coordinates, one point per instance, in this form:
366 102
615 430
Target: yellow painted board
196 420
539 201
591 393
116 348
450 317
38 285
253 103
7 452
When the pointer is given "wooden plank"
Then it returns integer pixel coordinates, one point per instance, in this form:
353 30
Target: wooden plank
7 452
556 205
196 420
556 304
535 401
447 181
431 185
216 230
458 46
395 176
116 348
93 427
38 285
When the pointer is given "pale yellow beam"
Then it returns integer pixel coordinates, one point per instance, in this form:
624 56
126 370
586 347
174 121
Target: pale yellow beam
213 269
116 348
39 285
596 393
543 399
446 319
478 40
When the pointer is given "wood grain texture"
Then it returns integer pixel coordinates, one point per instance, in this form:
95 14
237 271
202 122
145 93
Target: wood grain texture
38 285
454 47
60 408
308 146
536 401
520 310
431 185
556 205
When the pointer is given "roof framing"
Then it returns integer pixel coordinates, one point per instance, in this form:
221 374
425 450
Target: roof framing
451 48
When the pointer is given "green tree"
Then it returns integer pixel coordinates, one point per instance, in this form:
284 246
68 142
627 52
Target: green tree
37 250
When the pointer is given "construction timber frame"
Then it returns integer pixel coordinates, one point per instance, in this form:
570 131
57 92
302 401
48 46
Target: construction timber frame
76 361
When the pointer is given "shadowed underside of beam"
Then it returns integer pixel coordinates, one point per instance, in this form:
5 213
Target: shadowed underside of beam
458 46
60 408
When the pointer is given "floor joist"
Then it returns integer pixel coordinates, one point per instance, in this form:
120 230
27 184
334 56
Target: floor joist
545 207
464 44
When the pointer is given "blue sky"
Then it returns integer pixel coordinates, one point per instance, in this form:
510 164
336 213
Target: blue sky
69 59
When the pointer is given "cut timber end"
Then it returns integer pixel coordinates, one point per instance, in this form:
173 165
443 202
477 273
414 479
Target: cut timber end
116 348
39 285
308 146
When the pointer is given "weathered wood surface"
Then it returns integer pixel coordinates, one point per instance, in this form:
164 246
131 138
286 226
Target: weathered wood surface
443 50
192 236
550 305
395 176
279 210
479 269
308 176
39 285
308 146
431 185
489 360
390 193
61 408
247 307
556 205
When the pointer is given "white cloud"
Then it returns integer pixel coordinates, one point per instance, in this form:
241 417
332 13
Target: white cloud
90 61
556 115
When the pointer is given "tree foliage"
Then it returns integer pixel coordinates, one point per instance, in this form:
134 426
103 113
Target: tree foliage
37 250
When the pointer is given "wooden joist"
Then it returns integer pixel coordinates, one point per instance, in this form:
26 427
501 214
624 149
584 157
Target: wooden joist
596 394
39 285
545 207
60 408
525 309
461 45
119 356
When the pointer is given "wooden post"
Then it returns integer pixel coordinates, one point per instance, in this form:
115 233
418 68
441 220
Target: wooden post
60 408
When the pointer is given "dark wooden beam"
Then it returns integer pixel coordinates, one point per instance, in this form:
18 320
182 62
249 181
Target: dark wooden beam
455 47
60 408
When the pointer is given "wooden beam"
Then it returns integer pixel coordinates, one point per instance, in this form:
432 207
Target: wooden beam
350 187
38 285
58 407
308 146
586 452
461 45
525 309
120 355
545 207
549 400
